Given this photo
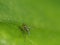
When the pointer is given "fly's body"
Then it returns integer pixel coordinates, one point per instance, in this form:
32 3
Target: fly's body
25 28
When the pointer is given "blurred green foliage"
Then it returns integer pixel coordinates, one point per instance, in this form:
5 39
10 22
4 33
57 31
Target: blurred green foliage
43 16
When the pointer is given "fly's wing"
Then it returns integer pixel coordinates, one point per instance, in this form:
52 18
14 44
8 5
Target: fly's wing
28 31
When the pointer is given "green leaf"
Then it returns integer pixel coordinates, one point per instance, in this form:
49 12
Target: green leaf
42 16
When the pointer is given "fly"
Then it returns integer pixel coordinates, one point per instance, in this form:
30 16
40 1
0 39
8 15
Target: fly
25 30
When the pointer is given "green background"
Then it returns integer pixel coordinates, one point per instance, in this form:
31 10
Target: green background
42 16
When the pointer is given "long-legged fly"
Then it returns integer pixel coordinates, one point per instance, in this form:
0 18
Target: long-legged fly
25 30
